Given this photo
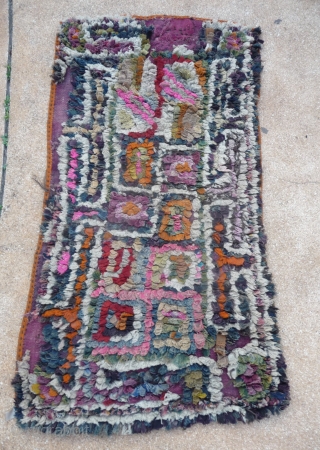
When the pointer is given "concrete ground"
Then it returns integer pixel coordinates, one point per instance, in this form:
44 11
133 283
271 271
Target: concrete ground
290 117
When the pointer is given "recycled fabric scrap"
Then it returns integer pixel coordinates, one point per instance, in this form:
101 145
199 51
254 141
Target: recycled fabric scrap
151 304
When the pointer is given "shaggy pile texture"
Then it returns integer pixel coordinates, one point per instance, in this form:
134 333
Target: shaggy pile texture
151 304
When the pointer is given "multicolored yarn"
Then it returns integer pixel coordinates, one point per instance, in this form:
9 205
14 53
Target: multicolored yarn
151 303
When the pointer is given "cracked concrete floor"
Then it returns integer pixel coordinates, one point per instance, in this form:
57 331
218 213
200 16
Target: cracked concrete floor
290 117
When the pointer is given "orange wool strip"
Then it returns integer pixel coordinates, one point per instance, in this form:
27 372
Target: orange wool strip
222 261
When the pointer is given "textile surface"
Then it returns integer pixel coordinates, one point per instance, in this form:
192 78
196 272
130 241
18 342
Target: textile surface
151 303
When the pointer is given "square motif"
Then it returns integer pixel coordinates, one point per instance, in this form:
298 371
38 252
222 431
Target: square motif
176 221
131 214
182 168
172 327
121 325
115 320
120 266
174 266
178 321
137 163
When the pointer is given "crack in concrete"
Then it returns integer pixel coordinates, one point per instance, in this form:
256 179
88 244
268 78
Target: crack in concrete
7 116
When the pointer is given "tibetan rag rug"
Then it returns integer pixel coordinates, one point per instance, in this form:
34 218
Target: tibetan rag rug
151 303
